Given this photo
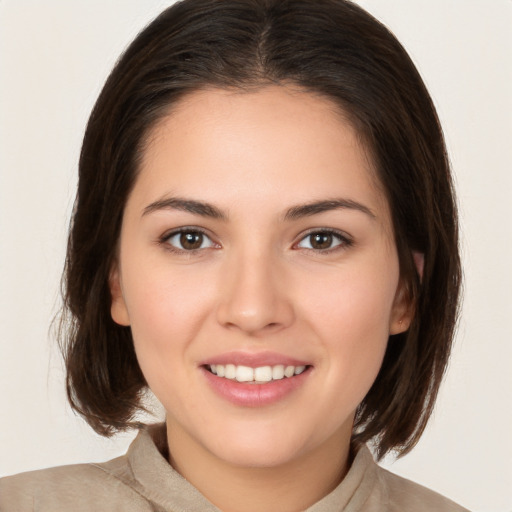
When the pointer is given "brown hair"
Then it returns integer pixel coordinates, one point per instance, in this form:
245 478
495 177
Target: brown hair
329 47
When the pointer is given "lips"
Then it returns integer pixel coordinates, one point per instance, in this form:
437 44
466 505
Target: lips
255 380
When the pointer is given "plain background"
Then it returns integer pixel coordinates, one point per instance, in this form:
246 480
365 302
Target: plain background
54 57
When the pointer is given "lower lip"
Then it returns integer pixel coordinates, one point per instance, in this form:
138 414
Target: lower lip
255 395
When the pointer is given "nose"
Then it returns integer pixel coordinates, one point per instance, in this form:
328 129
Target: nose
254 296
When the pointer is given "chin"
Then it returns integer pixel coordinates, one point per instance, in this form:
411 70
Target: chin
249 457
259 450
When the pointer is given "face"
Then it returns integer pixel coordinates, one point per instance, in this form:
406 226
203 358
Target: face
258 272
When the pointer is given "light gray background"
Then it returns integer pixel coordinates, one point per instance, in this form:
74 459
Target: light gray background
54 57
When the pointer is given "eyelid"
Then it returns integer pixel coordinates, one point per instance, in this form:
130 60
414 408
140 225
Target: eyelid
164 239
345 239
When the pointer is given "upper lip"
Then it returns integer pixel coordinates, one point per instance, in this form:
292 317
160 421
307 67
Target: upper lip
254 360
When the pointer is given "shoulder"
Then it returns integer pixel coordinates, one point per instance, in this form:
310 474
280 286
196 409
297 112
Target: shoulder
403 494
81 488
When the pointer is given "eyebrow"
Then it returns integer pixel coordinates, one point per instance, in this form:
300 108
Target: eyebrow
306 210
186 205
296 212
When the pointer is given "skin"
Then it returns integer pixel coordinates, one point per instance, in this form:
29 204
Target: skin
259 283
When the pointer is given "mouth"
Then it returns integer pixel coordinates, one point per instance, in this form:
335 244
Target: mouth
256 379
258 375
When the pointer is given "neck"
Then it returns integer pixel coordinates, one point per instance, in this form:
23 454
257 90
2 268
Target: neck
289 487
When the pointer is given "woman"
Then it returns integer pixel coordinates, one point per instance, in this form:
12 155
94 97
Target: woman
264 235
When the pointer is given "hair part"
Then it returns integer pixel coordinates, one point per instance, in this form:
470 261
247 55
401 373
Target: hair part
328 47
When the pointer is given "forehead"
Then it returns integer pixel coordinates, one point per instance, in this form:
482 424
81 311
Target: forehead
274 142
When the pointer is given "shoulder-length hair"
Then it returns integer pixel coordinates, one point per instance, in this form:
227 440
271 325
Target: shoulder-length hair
328 47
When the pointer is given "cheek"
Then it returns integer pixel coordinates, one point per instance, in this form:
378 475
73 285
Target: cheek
167 309
163 322
351 319
355 301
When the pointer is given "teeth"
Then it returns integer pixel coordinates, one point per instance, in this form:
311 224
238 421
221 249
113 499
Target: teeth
278 372
263 374
289 371
230 371
244 374
299 370
260 374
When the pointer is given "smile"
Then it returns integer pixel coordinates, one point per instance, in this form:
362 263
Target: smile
255 379
259 375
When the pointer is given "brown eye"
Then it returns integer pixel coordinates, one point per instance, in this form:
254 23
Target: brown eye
188 240
191 241
323 241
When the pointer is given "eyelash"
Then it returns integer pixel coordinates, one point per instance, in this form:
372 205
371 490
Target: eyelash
344 240
165 240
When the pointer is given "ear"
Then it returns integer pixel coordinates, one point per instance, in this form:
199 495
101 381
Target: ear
118 309
419 262
403 305
403 310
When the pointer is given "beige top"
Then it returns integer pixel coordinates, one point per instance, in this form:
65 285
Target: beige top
143 481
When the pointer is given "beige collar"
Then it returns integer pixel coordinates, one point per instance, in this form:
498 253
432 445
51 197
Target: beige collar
161 484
